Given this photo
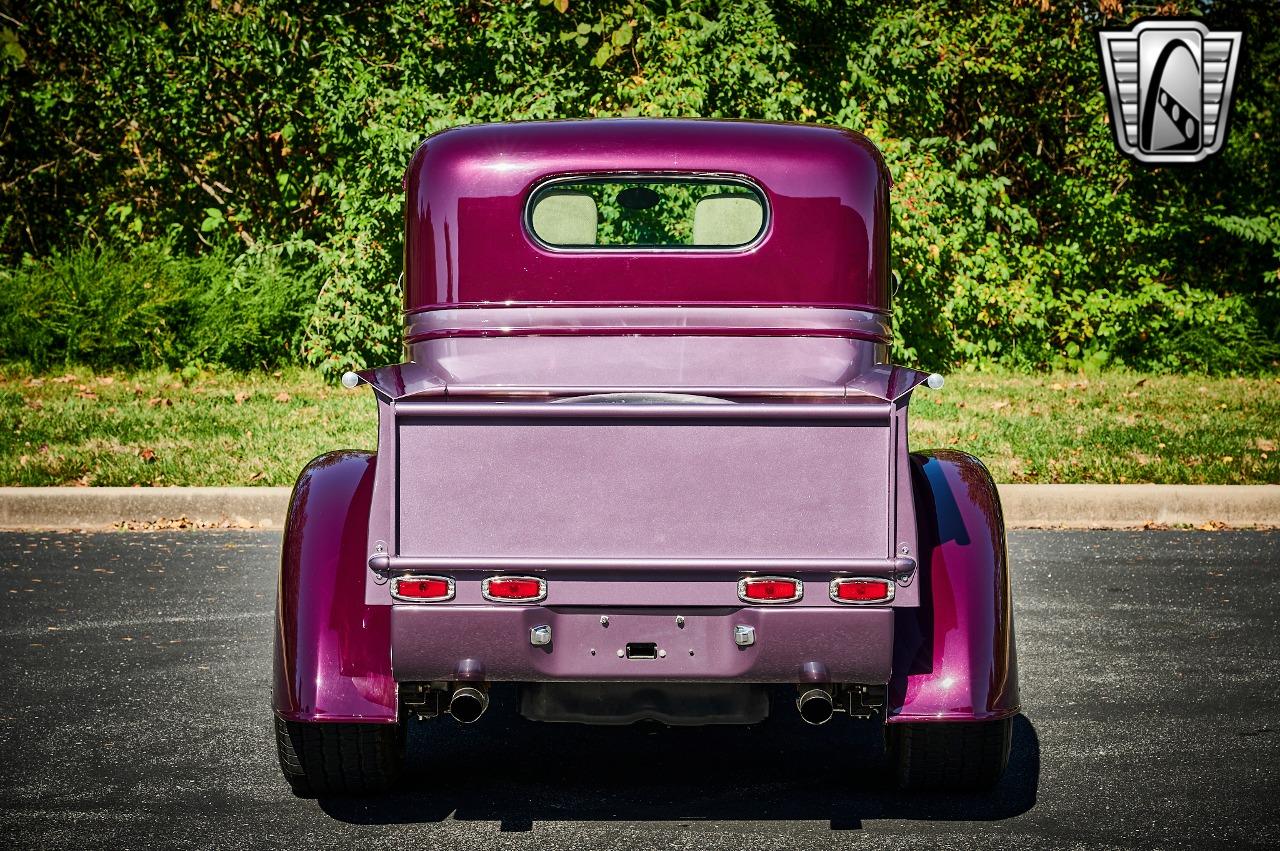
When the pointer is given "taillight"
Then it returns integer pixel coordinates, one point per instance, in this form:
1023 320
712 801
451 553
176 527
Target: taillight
855 589
521 589
770 589
422 589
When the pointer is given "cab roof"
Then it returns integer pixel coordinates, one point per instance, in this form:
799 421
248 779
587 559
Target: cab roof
824 243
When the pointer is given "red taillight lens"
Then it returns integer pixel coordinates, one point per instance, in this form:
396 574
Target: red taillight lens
523 588
770 589
422 589
857 590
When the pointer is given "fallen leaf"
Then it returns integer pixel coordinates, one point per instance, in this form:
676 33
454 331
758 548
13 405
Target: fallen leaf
1227 459
257 476
147 455
995 406
1264 444
282 396
86 394
240 397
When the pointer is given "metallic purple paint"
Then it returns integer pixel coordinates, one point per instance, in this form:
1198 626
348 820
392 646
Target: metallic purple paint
332 652
647 511
466 242
853 645
955 658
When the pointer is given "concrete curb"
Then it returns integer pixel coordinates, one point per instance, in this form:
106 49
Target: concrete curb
165 508
1139 506
1025 507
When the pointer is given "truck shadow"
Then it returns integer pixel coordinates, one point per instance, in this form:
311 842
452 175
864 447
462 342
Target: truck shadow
518 772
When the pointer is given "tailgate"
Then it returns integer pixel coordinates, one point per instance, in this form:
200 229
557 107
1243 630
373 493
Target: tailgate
606 482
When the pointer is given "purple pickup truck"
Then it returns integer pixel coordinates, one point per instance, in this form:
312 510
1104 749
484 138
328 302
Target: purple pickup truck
646 460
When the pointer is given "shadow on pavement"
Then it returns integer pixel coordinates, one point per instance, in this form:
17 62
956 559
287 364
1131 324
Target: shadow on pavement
518 772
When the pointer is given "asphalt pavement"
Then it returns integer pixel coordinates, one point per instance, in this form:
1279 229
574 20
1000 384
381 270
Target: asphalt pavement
135 712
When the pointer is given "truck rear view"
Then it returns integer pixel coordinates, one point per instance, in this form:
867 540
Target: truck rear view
647 460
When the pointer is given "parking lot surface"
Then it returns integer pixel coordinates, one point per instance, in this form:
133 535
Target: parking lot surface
136 694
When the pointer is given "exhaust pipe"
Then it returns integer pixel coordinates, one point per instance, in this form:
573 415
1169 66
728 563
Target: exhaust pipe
815 706
467 704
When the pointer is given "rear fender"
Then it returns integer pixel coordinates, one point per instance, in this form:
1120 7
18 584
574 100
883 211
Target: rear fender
954 657
332 652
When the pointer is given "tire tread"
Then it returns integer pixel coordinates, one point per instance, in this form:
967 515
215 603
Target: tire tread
950 756
339 759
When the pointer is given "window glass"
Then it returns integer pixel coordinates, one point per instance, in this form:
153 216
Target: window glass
647 213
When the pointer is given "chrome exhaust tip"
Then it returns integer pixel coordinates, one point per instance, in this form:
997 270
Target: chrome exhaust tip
816 706
467 704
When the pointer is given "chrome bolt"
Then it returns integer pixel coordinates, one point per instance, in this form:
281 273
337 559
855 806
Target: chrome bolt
540 636
593 651
621 653
662 654
904 549
604 621
679 621
744 636
690 652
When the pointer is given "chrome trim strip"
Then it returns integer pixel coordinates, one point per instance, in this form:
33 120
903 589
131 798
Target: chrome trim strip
510 320
880 568
565 390
877 411
542 589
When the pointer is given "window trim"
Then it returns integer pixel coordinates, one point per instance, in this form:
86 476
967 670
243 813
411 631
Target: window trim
766 223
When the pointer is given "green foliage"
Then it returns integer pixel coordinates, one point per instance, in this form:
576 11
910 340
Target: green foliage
1021 236
105 307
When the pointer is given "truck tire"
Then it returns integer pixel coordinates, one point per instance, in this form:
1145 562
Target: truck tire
339 759
948 756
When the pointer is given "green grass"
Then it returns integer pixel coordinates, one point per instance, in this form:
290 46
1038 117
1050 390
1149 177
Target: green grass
156 428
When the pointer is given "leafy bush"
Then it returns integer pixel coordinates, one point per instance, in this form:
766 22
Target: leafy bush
1021 236
108 307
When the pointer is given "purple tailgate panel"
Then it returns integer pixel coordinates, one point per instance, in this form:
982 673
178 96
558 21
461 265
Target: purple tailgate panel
618 489
643 515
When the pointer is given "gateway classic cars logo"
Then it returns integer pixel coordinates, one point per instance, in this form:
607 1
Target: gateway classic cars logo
1169 86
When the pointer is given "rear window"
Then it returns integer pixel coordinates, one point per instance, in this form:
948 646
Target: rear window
647 213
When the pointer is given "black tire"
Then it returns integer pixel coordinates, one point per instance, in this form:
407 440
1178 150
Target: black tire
960 757
339 759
